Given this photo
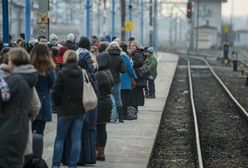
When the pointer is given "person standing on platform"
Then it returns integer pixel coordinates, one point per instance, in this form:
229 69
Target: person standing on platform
67 95
70 42
126 78
116 67
151 61
105 84
14 119
43 62
137 97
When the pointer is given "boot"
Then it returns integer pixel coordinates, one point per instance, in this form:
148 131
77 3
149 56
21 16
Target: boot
120 112
97 153
101 155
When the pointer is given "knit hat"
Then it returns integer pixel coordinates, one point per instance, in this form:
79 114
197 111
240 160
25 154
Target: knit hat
150 50
71 37
53 36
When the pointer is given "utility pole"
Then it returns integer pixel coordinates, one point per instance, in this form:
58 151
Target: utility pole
171 29
113 18
175 29
150 25
43 17
27 20
142 23
155 32
197 24
104 17
98 18
5 23
130 7
123 18
88 18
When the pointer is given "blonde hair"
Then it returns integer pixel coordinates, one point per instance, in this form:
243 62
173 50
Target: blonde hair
70 56
19 56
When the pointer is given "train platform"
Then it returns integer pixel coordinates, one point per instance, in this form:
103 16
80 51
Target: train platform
129 144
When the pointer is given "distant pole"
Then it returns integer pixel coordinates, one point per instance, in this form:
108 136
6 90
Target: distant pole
27 20
155 32
5 23
150 24
123 18
104 17
113 18
88 18
197 24
130 7
142 23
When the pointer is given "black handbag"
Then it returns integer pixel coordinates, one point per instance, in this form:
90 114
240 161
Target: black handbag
132 113
144 72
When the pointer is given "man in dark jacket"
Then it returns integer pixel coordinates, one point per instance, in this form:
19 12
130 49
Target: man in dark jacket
116 67
70 42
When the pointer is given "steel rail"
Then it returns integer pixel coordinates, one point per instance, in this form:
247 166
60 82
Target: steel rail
223 85
227 90
197 135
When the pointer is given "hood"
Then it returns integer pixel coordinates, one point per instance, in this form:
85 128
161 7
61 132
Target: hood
114 50
29 73
103 60
72 70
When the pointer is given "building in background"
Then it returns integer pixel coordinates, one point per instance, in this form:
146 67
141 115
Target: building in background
209 15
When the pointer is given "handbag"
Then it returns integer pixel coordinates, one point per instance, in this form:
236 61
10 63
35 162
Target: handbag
89 97
143 72
35 104
132 113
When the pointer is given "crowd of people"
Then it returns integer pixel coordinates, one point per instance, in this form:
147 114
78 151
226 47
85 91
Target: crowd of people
122 75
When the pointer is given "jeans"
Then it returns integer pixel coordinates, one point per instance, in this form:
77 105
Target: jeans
117 94
63 125
151 87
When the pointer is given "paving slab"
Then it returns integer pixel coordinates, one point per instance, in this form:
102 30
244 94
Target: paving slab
129 144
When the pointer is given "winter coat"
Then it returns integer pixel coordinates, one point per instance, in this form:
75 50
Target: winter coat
86 62
68 89
138 61
14 126
152 63
43 87
116 64
126 82
105 82
71 45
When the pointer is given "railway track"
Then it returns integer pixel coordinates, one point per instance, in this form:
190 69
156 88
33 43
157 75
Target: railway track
219 138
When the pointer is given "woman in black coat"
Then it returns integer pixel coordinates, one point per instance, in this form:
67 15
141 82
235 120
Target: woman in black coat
105 82
137 97
67 95
14 127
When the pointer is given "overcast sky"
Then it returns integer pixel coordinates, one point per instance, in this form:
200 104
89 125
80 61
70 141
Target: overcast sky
240 7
